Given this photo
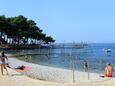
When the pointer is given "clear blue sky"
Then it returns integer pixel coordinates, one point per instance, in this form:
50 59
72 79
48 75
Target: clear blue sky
68 20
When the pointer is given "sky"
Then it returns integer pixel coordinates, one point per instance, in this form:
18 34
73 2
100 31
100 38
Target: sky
68 20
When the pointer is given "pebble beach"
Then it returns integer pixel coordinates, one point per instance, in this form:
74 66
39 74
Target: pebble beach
53 74
40 75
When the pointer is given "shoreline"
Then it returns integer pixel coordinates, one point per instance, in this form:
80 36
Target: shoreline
18 79
52 74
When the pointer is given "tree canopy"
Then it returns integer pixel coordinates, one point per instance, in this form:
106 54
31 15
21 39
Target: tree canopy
20 30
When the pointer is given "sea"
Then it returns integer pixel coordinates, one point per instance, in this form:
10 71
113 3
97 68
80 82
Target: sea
72 58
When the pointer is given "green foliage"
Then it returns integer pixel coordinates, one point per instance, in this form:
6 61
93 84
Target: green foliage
20 29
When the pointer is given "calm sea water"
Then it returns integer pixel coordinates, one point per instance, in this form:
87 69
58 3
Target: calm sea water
94 54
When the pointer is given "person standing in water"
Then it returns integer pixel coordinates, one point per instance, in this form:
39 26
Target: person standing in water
3 59
85 66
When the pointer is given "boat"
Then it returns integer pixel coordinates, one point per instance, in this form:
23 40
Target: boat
107 50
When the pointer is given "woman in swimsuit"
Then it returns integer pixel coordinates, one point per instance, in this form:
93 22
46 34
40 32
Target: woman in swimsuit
108 70
3 59
85 66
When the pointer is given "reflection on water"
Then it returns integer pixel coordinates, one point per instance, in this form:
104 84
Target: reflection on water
63 58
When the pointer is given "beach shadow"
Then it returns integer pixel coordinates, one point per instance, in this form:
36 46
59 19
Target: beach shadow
17 74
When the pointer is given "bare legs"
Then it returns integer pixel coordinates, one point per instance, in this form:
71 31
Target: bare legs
3 66
2 69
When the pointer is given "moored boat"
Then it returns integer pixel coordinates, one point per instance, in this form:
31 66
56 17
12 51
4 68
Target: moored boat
107 50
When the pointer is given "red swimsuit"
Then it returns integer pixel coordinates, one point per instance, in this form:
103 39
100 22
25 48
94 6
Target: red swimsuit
109 72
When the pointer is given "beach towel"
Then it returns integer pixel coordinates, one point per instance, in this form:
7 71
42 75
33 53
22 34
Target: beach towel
25 69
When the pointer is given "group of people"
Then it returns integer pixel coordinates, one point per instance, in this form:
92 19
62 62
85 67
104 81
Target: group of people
109 70
4 65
